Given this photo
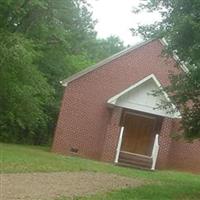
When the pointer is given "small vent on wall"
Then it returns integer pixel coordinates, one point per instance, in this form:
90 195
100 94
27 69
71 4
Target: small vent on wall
74 150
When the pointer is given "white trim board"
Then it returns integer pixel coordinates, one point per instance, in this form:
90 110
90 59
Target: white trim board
175 56
118 55
119 144
103 62
139 106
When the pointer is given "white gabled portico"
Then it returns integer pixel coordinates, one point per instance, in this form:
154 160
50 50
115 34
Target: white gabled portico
139 97
138 143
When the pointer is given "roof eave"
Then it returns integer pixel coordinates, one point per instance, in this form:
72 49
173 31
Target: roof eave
103 62
112 101
117 55
175 56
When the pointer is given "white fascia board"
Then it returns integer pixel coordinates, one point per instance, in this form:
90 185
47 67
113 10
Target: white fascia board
63 84
113 99
164 93
118 55
182 65
103 62
175 56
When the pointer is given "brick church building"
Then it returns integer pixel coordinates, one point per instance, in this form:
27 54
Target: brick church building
108 113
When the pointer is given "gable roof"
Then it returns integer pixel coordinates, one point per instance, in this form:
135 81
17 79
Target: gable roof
139 97
118 55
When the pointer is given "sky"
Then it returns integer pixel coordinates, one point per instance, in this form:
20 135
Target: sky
115 17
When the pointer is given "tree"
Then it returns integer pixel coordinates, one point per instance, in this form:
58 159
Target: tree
180 25
106 47
24 92
51 40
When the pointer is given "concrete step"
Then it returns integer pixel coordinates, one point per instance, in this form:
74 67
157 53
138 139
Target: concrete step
136 163
133 166
136 160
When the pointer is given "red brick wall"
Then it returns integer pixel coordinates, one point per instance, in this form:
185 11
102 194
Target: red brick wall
85 123
112 136
165 144
178 155
184 155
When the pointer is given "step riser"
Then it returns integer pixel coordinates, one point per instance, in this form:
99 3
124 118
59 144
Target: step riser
143 164
133 166
135 159
138 161
134 155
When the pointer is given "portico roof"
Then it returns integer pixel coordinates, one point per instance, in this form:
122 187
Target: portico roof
139 97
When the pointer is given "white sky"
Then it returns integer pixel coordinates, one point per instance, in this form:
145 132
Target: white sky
115 17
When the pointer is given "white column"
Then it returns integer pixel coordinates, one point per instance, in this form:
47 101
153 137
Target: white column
155 152
119 144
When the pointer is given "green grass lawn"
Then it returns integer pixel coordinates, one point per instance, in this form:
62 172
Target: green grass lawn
162 185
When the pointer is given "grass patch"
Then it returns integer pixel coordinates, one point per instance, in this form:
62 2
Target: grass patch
163 184
150 192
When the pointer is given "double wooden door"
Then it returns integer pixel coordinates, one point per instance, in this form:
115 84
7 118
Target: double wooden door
139 134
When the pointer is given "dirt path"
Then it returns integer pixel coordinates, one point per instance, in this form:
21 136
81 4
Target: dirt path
42 186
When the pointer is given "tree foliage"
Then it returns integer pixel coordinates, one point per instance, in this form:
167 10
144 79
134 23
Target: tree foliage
180 25
24 92
41 43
